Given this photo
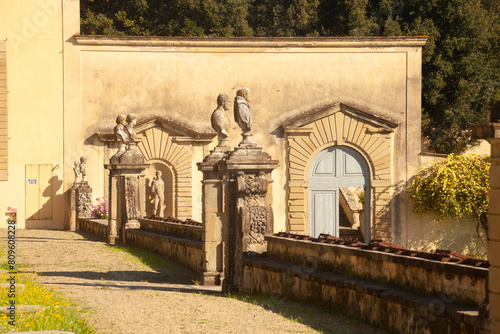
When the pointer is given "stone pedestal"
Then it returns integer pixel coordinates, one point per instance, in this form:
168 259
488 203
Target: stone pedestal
248 202
81 203
126 188
214 217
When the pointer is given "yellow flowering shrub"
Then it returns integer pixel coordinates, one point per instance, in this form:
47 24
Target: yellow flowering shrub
455 187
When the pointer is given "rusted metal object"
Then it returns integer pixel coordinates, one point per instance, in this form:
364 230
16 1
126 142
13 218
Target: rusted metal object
175 220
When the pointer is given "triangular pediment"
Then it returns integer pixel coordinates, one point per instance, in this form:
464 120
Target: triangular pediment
306 118
173 128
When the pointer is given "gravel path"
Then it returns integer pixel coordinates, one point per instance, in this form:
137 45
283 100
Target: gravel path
156 295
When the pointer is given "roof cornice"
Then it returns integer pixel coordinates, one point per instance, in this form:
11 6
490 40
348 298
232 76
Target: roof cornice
257 42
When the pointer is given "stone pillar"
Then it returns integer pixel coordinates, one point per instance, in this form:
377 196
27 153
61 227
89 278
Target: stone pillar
125 184
72 212
214 218
248 172
494 230
492 134
126 187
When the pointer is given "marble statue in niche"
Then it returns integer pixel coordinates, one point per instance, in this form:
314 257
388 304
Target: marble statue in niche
220 122
158 187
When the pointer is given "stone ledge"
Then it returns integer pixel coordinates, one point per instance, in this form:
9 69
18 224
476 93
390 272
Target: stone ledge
171 228
389 307
454 268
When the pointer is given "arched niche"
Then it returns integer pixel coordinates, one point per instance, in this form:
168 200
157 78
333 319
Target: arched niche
170 147
168 177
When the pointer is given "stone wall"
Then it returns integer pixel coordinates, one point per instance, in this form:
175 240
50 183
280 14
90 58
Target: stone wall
395 309
178 241
461 283
97 227
186 251
399 293
186 231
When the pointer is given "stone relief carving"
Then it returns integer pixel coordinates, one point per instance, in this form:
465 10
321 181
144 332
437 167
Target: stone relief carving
252 187
131 198
220 122
158 187
243 116
258 224
84 203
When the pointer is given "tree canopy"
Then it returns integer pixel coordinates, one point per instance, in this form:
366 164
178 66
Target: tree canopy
461 60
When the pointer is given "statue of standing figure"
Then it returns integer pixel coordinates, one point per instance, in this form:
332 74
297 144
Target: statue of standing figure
159 192
220 123
243 116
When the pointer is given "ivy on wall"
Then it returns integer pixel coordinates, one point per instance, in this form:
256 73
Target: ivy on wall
455 187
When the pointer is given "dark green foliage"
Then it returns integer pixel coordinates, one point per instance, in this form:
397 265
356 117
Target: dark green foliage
461 62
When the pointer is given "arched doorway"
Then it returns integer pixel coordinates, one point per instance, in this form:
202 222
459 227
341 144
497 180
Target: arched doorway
333 168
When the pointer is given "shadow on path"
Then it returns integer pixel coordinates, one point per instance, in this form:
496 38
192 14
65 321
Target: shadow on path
122 275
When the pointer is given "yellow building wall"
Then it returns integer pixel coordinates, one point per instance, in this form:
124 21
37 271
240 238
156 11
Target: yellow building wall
32 30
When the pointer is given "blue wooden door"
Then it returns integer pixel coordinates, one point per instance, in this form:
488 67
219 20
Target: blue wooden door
331 169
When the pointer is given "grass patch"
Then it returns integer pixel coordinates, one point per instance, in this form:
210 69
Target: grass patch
149 259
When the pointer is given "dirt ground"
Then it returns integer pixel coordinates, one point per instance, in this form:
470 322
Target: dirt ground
156 295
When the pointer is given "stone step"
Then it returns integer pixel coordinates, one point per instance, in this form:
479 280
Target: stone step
393 308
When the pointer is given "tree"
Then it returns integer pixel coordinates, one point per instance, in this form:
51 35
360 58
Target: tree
454 187
460 63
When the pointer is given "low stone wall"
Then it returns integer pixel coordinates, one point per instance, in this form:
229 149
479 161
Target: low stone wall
181 242
385 306
186 231
461 283
186 251
98 227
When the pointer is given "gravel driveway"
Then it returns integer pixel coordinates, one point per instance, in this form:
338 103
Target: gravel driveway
157 295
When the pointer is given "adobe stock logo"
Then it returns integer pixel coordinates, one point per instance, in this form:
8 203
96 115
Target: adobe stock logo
33 24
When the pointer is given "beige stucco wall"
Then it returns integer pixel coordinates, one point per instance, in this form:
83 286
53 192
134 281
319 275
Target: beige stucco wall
33 30
94 79
179 79
455 234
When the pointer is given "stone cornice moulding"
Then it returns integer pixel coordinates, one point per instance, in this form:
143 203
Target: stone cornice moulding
256 42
